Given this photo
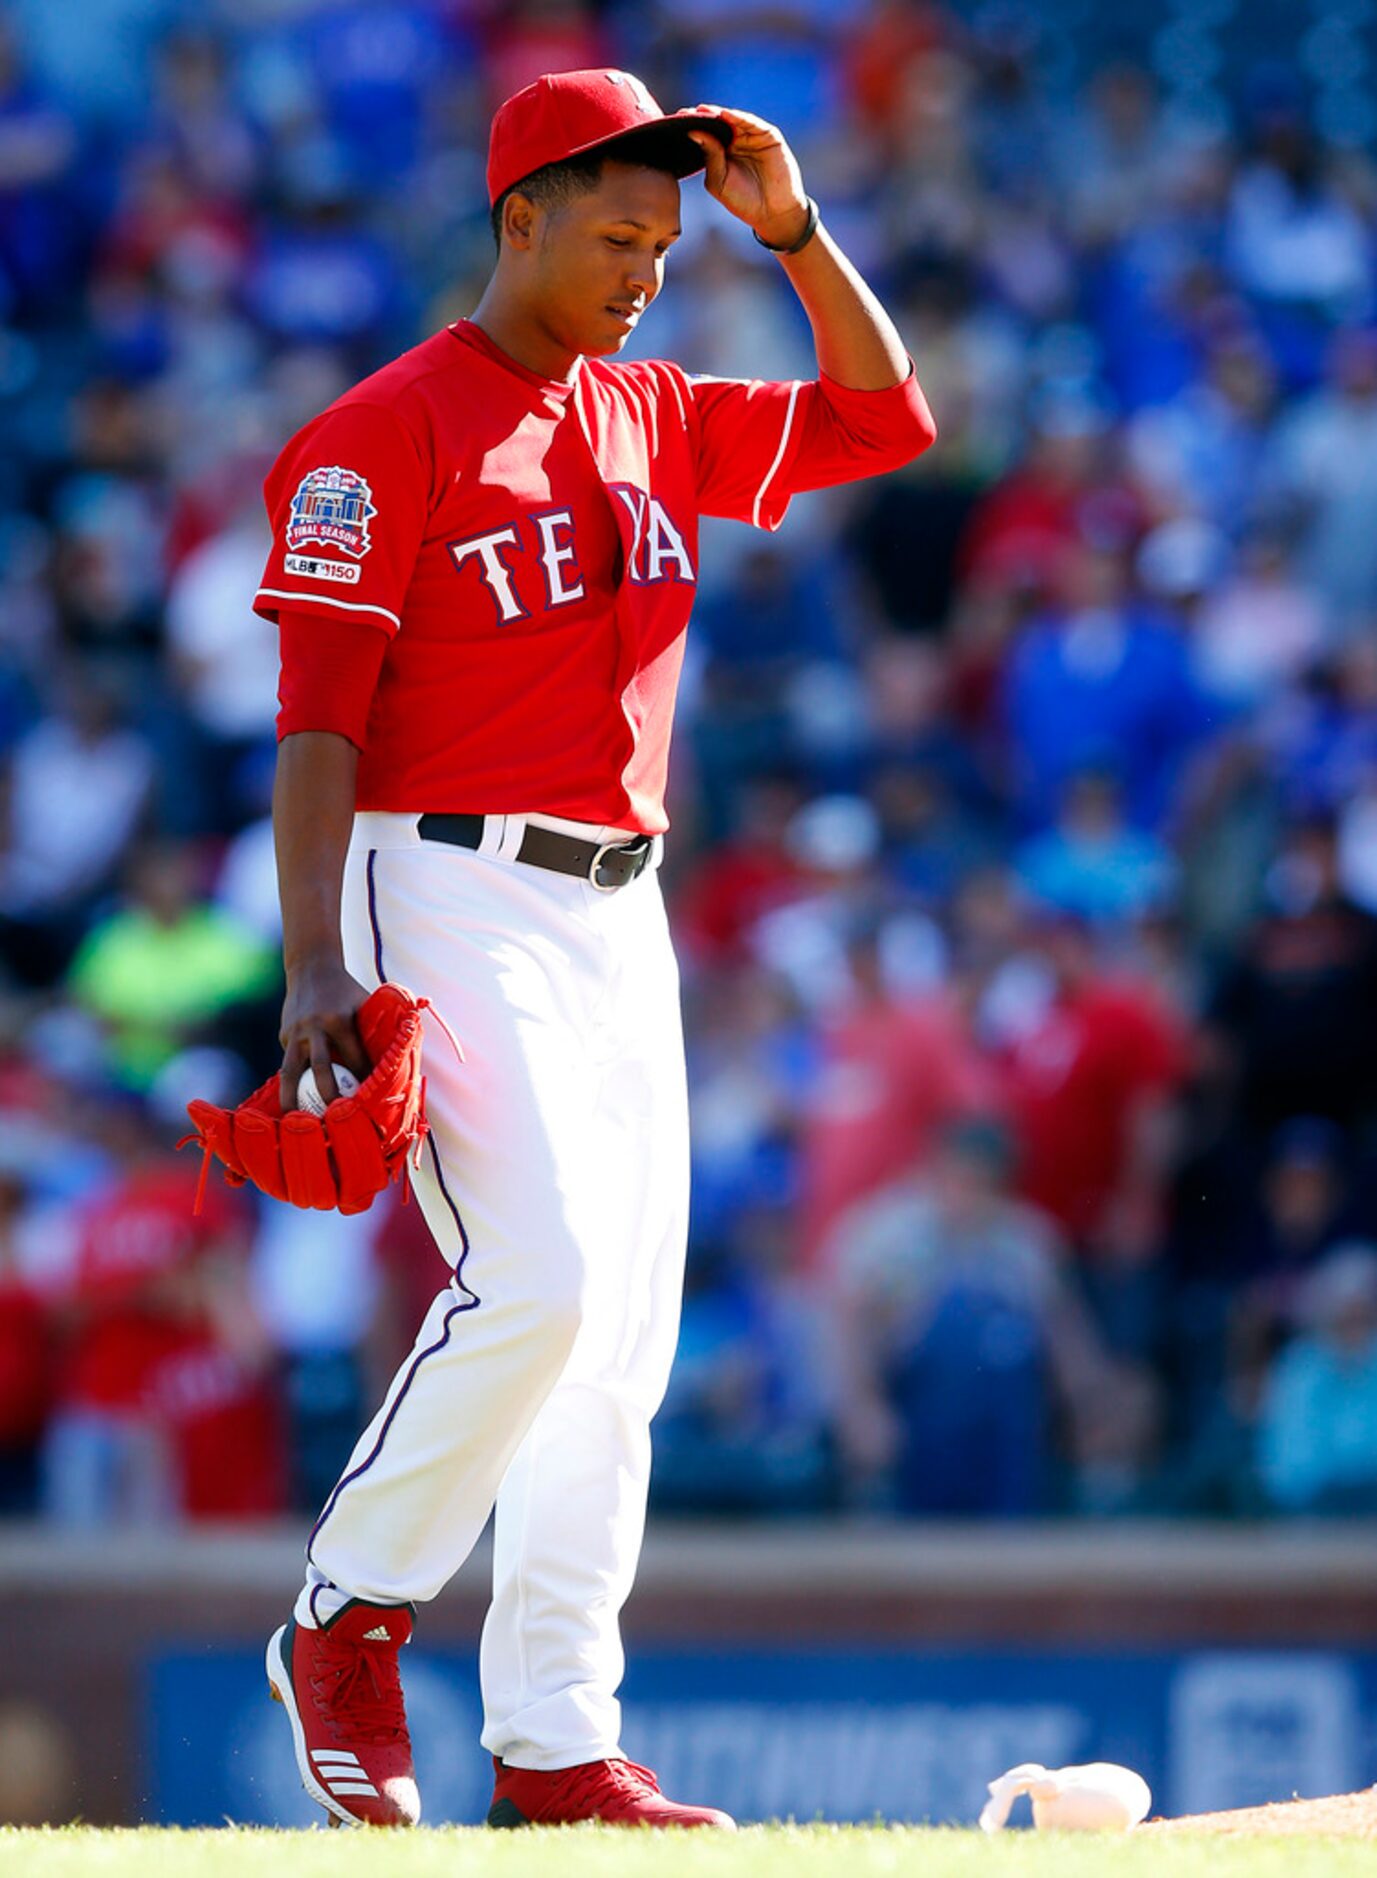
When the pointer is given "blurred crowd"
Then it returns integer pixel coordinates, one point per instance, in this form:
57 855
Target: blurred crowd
1024 860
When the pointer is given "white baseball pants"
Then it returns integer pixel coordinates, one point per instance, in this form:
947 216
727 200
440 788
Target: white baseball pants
556 1183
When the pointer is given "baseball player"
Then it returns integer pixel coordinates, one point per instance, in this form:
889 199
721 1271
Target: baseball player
483 565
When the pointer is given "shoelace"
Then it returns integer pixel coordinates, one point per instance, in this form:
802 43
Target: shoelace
591 1780
358 1691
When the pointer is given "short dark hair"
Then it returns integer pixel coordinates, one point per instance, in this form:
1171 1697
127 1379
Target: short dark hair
553 187
558 184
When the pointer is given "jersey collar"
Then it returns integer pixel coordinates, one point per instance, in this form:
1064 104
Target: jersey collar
469 334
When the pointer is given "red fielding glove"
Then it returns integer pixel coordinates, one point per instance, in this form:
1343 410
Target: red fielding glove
343 1159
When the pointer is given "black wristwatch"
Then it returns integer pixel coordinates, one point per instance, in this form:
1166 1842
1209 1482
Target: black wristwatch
810 228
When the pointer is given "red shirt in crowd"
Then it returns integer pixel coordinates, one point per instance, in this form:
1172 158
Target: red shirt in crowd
730 890
524 553
1074 1083
894 1076
25 1363
143 1349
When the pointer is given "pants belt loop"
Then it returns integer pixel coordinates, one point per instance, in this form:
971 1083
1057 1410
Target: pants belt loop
491 843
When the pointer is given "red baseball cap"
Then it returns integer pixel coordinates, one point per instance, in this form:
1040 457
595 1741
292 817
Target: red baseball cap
564 114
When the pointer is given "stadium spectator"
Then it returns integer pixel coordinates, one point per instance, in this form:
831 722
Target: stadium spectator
957 1335
1325 460
39 151
1099 682
1250 1223
1028 522
883 55
1317 1432
895 1072
1308 1205
1321 738
745 875
908 721
1296 1009
1294 237
1203 451
1261 629
1118 162
318 276
1092 1069
1228 823
159 970
196 118
164 1404
835 842
931 840
225 665
78 784
1090 864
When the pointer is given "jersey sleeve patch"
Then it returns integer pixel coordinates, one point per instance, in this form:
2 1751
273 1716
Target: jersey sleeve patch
348 501
331 509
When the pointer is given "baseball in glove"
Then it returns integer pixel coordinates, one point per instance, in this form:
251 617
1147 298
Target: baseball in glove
344 1158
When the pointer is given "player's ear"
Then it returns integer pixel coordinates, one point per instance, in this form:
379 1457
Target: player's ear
519 217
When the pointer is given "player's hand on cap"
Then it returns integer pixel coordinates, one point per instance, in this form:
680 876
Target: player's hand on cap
318 1028
757 178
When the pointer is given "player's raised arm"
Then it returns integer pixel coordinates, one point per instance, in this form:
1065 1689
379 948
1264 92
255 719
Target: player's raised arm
758 180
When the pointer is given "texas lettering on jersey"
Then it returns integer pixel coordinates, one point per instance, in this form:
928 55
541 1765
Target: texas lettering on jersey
658 552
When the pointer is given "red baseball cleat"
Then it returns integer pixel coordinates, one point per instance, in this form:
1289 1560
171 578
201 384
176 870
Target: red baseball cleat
619 1793
342 1692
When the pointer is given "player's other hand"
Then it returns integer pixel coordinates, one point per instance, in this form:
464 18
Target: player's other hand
318 1028
757 178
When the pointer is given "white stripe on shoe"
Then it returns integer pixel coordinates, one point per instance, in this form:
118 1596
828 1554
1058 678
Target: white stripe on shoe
281 1684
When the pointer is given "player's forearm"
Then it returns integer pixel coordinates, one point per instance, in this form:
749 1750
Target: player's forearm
856 341
313 812
757 178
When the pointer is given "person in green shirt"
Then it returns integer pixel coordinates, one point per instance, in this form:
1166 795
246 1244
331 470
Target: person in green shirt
165 965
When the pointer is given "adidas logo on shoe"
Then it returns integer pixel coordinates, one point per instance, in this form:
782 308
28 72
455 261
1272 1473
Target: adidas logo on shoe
378 1634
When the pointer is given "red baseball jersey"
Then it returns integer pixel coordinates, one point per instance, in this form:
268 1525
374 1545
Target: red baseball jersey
530 548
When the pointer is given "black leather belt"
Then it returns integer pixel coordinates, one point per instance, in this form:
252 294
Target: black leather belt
606 868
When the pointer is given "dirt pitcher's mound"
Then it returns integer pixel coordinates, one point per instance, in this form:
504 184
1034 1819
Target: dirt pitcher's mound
1346 1815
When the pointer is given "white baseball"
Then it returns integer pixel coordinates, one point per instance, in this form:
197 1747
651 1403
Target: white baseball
308 1096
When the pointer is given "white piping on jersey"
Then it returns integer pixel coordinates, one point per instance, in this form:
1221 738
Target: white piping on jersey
320 599
794 390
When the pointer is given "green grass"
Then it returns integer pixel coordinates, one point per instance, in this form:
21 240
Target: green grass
601 1852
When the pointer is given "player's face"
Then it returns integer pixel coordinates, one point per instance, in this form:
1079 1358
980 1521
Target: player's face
601 258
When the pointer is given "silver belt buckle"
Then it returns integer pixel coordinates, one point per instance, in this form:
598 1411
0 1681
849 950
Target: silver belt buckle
612 847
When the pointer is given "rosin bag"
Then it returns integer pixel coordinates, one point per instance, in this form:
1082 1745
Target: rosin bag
1099 1797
